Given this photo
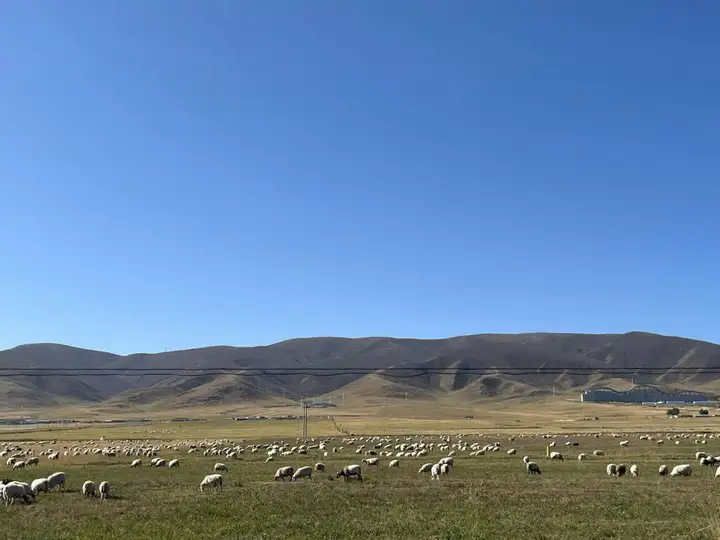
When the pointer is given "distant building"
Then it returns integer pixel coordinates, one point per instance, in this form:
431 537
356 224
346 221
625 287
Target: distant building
644 393
321 404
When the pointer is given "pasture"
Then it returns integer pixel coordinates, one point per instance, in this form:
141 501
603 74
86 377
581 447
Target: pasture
484 497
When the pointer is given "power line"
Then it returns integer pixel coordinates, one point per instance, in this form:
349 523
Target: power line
370 370
395 372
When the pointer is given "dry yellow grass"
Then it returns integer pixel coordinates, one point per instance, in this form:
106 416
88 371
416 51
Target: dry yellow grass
551 414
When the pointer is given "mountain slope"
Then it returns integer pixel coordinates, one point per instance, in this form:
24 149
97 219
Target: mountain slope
469 367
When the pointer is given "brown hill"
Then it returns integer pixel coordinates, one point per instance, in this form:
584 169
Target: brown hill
470 367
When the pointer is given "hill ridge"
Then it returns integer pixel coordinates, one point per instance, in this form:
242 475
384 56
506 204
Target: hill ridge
486 363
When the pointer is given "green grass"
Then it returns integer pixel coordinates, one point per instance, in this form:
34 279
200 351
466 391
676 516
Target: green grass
485 497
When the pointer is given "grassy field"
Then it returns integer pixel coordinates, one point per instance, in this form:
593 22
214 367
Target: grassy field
484 497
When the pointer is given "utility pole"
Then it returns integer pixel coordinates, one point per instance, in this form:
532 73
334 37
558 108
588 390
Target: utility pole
304 404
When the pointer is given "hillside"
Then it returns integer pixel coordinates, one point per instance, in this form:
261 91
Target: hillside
469 367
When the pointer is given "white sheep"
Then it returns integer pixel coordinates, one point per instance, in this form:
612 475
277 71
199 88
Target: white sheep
556 456
56 480
32 461
136 463
581 457
320 467
211 481
447 461
663 470
435 472
634 471
302 472
41 484
611 469
425 468
394 463
598 453
220 467
88 489
18 465
624 444
284 472
348 471
173 464
511 452
717 472
681 470
104 490
371 462
16 490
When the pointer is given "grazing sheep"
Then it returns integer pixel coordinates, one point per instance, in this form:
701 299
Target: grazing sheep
136 463
611 469
634 471
350 470
425 468
56 480
41 484
104 490
598 453
717 472
211 481
394 463
556 456
18 465
581 457
447 461
530 466
511 452
621 469
371 462
320 467
32 461
445 468
220 467
663 470
284 472
681 470
435 472
88 489
624 444
173 464
15 490
302 472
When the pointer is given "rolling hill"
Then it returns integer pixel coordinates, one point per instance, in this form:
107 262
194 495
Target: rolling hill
468 367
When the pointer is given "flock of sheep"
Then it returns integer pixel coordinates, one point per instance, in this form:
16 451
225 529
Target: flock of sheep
372 450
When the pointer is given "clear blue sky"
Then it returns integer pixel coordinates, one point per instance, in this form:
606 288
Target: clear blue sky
179 173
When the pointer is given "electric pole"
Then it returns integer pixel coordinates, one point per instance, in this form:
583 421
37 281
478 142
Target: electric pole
304 404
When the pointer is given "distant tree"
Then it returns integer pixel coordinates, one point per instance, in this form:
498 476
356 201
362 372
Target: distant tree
674 411
703 411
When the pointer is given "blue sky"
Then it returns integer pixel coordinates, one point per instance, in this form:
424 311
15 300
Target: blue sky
177 173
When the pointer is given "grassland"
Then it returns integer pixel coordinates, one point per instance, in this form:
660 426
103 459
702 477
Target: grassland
484 497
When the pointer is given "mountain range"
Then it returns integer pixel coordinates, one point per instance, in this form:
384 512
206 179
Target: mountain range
467 367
